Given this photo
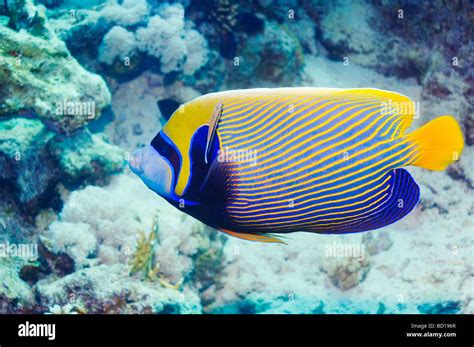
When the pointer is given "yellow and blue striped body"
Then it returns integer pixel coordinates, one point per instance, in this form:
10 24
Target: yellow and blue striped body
322 160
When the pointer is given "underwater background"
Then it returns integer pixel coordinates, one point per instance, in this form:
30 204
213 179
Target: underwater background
79 86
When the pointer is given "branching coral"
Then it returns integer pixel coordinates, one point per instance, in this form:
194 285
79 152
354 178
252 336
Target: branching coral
129 12
118 43
166 36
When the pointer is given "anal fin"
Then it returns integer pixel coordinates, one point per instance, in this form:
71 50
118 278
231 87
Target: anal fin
253 237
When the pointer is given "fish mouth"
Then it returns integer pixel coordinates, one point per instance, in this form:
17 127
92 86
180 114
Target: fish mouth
134 162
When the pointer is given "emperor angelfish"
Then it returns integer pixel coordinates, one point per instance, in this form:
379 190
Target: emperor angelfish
253 163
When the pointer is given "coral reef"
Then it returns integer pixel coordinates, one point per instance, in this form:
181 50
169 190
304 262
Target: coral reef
126 13
99 229
82 30
39 74
34 160
118 43
272 57
109 289
34 163
346 273
43 97
345 29
15 295
87 158
166 37
46 99
134 103
224 15
25 160
106 244
377 242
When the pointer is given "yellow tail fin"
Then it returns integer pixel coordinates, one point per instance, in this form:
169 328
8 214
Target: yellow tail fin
441 143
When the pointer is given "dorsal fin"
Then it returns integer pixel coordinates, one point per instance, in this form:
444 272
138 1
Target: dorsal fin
216 115
167 107
391 104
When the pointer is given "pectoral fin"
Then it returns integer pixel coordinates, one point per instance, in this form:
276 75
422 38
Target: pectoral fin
253 237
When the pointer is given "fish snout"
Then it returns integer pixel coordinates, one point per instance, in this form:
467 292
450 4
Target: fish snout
135 162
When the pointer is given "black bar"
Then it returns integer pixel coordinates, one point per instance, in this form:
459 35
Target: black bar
162 330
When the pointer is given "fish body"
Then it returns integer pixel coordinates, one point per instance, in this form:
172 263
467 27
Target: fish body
264 161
